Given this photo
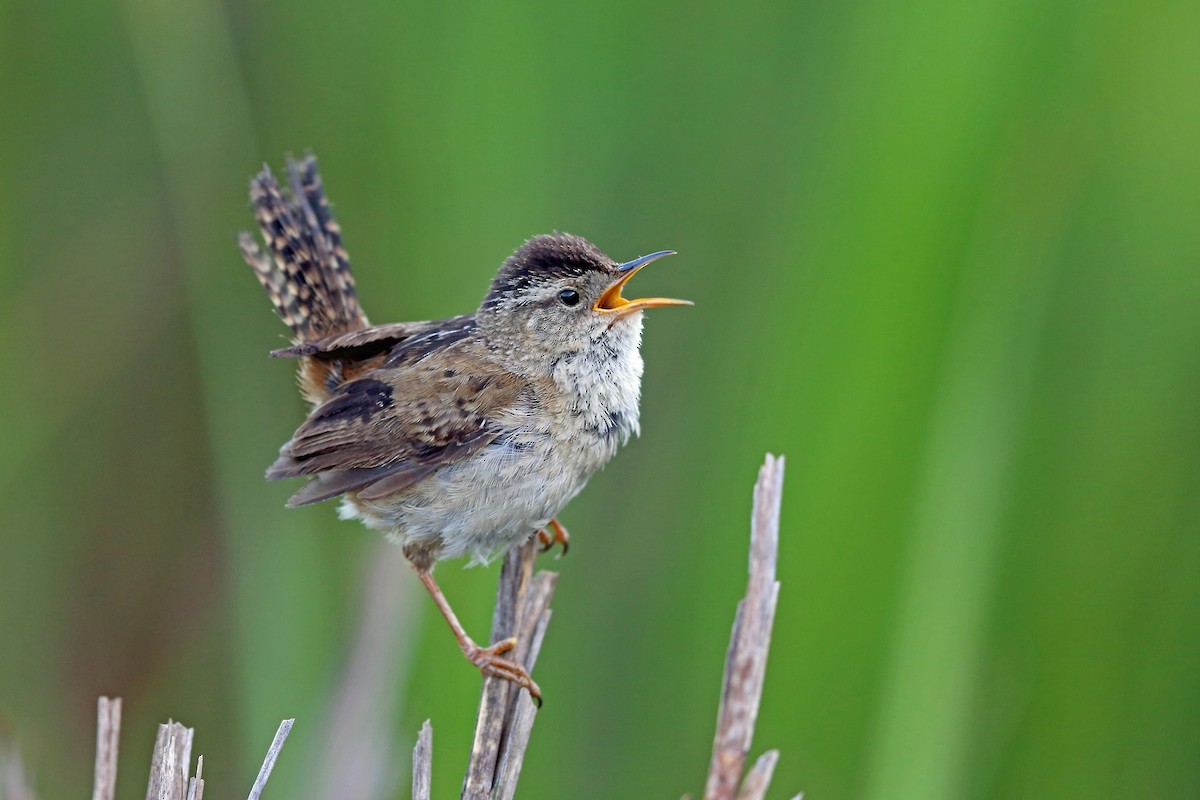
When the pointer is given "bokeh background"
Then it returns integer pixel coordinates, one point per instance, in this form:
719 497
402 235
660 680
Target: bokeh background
945 257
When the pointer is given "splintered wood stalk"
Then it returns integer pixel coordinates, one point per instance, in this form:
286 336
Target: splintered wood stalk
423 763
746 660
506 713
170 763
268 764
108 732
171 777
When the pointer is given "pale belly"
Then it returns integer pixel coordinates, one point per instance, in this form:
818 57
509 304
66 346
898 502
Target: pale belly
495 499
500 495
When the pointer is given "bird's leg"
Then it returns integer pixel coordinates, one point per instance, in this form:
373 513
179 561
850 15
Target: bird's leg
488 659
560 536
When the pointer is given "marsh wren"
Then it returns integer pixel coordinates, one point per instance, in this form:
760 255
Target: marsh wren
461 436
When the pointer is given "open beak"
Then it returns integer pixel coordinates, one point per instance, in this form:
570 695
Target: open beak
611 302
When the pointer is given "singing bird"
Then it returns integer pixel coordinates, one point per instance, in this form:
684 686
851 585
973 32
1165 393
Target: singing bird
460 436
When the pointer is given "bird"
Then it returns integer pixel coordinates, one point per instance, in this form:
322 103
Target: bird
456 437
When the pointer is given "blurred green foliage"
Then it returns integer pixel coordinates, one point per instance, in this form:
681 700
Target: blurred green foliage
944 256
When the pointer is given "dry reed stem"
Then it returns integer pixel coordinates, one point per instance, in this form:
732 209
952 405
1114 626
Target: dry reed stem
268 764
108 732
423 763
746 660
506 712
170 762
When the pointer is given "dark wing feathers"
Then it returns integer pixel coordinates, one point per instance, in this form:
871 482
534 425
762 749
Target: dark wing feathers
360 343
404 339
327 485
374 437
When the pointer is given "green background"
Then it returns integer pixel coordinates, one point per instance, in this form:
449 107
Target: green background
945 257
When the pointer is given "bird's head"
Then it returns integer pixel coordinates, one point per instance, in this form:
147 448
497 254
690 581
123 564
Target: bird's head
560 293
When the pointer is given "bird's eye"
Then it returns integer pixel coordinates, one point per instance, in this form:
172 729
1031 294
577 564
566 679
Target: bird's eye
569 297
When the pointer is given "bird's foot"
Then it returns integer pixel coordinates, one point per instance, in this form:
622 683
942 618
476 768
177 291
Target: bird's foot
548 540
490 661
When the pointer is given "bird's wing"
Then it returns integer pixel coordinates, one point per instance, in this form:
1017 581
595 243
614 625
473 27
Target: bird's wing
366 342
387 429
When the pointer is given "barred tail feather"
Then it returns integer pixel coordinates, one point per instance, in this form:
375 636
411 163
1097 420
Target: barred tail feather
305 271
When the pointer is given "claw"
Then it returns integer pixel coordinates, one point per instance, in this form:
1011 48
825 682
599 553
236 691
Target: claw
490 662
500 647
548 540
